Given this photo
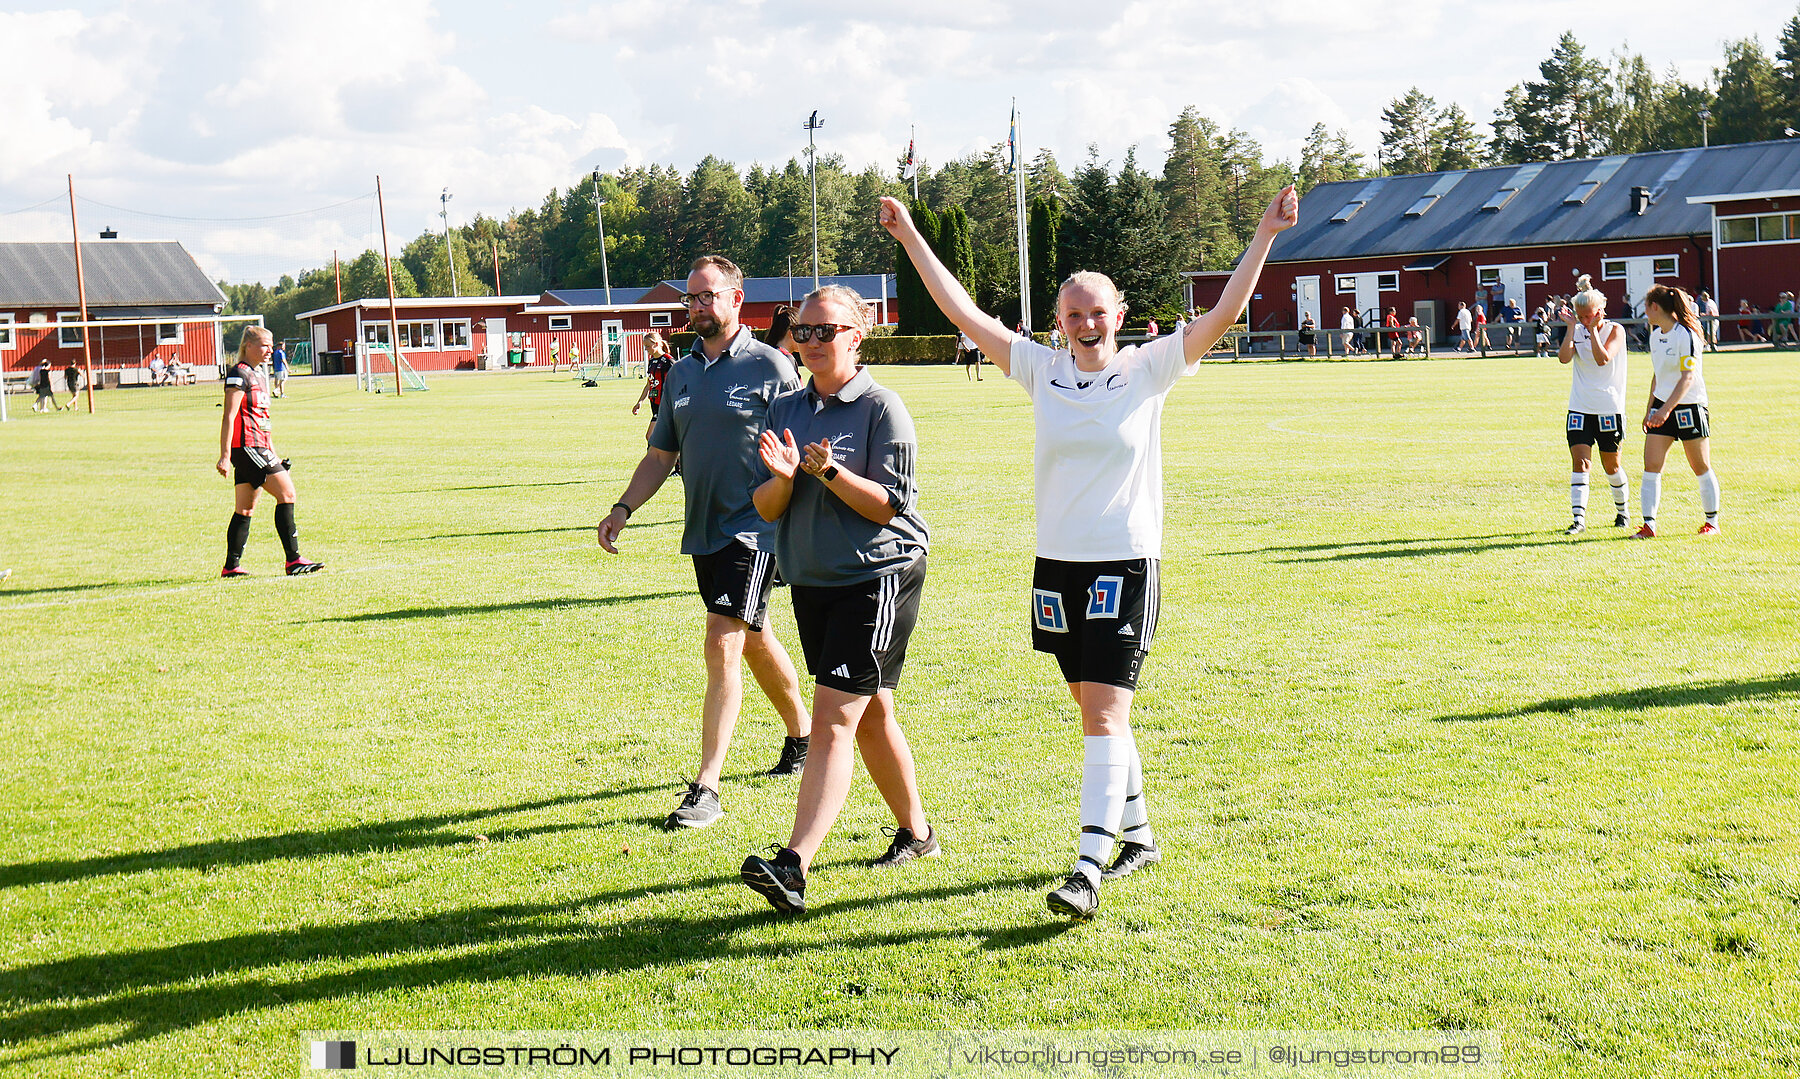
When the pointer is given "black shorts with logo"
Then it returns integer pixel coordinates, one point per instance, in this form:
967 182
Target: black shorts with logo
735 581
1590 429
254 465
1685 422
1096 618
855 635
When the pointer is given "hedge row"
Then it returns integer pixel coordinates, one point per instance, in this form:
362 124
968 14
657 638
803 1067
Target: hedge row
879 350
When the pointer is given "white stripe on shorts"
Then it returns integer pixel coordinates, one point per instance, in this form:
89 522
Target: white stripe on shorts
886 611
759 568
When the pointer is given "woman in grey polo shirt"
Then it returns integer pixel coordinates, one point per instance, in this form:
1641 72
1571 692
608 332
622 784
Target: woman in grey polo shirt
839 455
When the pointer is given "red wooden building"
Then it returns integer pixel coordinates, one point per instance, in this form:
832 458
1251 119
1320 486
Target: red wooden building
163 305
1724 220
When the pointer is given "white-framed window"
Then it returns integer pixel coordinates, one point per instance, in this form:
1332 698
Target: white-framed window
660 318
6 330
455 333
1388 282
562 322
1536 273
418 335
1612 270
1759 229
1533 273
1346 283
1666 266
68 338
375 333
170 333
1487 275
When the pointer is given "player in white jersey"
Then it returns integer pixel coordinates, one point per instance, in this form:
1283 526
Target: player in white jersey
1098 412
1677 408
1596 350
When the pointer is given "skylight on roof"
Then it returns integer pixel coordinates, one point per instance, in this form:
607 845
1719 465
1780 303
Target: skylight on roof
1360 199
1596 178
1437 191
1513 185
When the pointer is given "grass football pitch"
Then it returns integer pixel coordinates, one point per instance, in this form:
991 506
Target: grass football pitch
1416 759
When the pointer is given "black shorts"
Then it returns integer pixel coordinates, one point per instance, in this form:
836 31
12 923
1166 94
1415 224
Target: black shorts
1096 618
735 581
854 635
254 465
1591 429
1685 422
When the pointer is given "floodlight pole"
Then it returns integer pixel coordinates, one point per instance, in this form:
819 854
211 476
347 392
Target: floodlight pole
813 123
600 224
87 356
448 253
387 265
1705 115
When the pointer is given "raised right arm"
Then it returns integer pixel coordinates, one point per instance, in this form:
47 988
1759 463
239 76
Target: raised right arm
989 333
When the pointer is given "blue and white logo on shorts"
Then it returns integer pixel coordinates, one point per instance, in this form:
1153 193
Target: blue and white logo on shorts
1609 423
1103 597
1575 421
1047 611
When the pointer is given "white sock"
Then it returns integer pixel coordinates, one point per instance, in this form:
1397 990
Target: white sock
1709 496
1578 492
1621 488
1135 823
1104 772
1649 496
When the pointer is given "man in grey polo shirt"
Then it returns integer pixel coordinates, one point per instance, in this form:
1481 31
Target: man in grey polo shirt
714 401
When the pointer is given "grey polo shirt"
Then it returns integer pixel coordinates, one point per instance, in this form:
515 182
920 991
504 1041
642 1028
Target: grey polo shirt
820 541
712 413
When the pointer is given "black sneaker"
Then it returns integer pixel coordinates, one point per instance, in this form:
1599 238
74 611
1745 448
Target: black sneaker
1621 521
1575 528
1077 898
905 848
793 758
1132 857
699 807
780 880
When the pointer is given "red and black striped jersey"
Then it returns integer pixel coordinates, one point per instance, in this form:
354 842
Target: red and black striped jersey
251 428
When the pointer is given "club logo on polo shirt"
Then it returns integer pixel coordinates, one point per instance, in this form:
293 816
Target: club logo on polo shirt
738 396
840 441
681 402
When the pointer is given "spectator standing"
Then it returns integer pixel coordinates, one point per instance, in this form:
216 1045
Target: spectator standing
278 371
1465 325
1709 320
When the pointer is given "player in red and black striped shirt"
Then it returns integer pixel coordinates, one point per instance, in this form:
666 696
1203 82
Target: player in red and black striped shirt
245 446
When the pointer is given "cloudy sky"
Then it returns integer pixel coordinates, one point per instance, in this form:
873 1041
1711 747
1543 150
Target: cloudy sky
258 111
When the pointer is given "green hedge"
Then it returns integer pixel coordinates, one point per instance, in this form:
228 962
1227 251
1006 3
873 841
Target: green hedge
909 349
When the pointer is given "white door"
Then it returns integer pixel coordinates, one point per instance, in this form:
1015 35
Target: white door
1306 299
1512 279
496 342
1368 297
612 332
319 346
1640 274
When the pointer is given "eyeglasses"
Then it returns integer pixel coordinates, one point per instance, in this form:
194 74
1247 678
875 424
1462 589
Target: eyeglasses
826 331
704 299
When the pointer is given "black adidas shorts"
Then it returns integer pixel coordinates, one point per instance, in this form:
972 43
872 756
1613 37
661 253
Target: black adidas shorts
1589 429
735 581
1685 422
855 635
1096 618
254 465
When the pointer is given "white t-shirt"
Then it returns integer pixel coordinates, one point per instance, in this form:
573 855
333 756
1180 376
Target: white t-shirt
1671 354
1347 322
1595 390
1464 321
1098 456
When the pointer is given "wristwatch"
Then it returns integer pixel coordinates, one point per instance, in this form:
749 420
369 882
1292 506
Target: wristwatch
830 473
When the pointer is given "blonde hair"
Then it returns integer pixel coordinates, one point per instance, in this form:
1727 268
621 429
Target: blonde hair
1587 297
243 355
849 297
1096 281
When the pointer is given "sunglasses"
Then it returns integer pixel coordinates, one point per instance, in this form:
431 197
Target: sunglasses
704 299
825 331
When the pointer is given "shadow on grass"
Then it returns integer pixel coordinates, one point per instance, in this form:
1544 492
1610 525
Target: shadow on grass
499 486
1675 696
535 531
6 590
1492 543
152 991
410 833
1312 548
495 608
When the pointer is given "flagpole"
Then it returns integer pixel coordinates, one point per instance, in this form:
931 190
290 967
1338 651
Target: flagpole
912 141
1023 229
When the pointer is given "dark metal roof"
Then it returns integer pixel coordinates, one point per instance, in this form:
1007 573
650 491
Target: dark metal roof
1559 202
783 289
594 297
118 273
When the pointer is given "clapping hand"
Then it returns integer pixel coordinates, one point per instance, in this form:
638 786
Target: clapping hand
780 457
818 456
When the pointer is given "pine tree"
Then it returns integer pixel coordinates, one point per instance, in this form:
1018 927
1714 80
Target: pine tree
1146 263
718 215
1046 219
1749 102
1409 142
1787 68
1457 144
1191 189
1569 114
